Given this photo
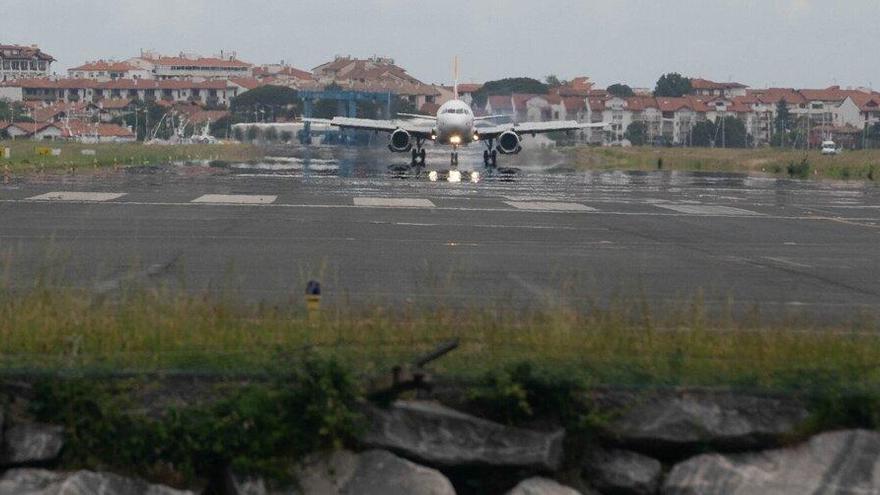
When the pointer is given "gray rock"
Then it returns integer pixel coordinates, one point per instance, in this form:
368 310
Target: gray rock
717 420
840 463
30 443
43 482
375 472
442 436
541 486
624 472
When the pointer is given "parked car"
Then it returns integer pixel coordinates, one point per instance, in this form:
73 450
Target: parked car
830 148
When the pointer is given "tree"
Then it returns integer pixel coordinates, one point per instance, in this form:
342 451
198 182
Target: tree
782 123
672 84
401 104
277 100
637 133
270 134
220 127
553 81
252 133
731 133
703 133
325 109
238 134
620 90
509 86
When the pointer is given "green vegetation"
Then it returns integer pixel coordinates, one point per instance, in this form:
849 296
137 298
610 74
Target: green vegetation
672 84
253 428
851 165
509 86
24 159
620 90
277 101
637 133
145 330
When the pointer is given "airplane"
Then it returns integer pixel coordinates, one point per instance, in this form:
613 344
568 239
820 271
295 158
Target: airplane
455 125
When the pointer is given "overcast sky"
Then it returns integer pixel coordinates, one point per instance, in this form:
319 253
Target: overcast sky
803 43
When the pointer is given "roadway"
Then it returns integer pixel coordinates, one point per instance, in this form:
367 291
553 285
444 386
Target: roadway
259 232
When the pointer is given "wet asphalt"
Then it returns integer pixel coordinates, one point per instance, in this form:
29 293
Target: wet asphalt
539 237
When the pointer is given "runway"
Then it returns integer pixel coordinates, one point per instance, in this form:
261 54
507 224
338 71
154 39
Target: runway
260 232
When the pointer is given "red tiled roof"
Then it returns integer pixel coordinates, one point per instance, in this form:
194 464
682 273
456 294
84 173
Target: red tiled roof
77 128
197 62
105 65
575 103
246 82
469 88
114 103
771 96
705 84
202 116
48 83
28 52
429 109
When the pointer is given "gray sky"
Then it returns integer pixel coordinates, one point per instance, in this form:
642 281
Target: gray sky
803 43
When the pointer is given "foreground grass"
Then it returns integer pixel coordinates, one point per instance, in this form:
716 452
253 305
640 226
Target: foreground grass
25 160
857 165
47 330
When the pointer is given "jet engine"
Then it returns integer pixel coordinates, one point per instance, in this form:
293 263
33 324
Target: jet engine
509 143
401 141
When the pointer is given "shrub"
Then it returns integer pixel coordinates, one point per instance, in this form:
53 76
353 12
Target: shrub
799 170
256 428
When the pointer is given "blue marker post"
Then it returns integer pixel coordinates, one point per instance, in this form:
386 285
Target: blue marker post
313 298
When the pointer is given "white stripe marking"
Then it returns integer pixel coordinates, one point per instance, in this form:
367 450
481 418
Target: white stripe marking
710 210
235 199
77 196
549 206
394 202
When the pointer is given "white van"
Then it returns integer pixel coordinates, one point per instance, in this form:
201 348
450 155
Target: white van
829 148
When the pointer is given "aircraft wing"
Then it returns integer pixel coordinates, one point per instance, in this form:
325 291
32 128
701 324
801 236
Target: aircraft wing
414 128
492 132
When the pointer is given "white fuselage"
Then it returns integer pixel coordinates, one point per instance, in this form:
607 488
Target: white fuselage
455 123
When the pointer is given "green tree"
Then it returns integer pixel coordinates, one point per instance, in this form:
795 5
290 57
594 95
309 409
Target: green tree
703 133
270 134
325 109
782 123
220 127
553 81
273 100
238 134
731 133
400 104
620 90
509 86
672 84
252 133
637 133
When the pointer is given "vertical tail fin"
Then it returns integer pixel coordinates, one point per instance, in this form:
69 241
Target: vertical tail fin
455 77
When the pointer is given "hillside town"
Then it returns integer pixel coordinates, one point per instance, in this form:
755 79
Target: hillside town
106 100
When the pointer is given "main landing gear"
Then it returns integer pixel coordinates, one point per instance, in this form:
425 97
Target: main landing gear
418 156
490 155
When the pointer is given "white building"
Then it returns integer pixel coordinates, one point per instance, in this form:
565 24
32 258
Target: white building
190 66
23 61
107 70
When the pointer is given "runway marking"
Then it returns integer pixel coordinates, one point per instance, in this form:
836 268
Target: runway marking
785 261
549 206
712 210
394 202
77 196
235 199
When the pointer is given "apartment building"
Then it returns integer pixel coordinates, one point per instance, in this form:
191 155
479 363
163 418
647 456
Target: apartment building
206 92
18 62
107 70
